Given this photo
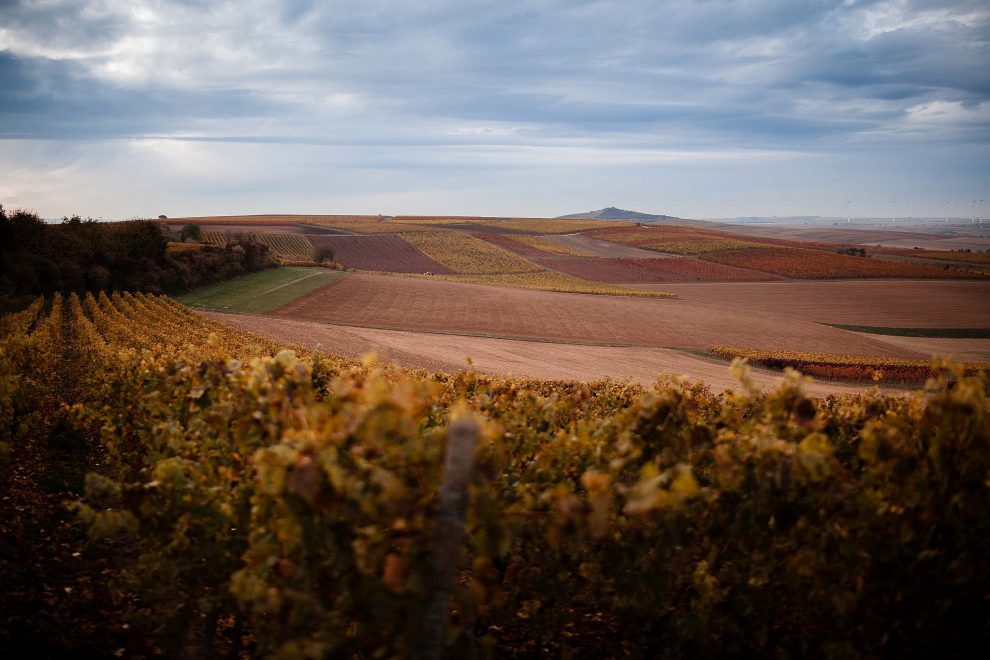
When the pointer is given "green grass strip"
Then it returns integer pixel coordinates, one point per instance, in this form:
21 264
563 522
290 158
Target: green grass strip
945 333
259 292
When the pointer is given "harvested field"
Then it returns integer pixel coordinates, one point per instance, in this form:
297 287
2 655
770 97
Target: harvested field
848 235
891 303
818 264
549 280
468 255
597 247
535 359
379 252
599 269
440 306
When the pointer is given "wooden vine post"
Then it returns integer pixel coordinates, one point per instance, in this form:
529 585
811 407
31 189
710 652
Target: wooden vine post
448 545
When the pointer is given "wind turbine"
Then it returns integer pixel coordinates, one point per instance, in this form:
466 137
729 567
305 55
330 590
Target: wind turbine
848 215
946 202
893 212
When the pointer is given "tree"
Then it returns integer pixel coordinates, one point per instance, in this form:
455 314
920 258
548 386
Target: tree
323 253
192 232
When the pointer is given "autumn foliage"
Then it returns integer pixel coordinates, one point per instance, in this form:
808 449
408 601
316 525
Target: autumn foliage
291 496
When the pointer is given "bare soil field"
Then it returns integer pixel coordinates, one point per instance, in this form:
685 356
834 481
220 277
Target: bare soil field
452 307
947 243
602 248
889 303
851 234
545 360
634 271
381 252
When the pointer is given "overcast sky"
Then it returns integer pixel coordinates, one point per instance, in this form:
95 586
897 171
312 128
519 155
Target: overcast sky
705 108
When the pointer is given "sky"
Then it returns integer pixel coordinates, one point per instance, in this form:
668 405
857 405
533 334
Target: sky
704 108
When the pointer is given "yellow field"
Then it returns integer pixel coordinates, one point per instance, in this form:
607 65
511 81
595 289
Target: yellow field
468 255
541 243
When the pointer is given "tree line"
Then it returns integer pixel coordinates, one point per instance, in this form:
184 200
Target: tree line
85 255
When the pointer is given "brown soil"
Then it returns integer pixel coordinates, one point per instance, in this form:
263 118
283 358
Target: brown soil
889 303
547 360
451 307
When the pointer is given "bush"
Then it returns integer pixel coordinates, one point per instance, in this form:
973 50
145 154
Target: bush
323 253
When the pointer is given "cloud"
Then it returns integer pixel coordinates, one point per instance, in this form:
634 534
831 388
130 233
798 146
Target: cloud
502 83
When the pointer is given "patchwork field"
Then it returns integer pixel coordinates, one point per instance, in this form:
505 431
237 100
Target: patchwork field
497 285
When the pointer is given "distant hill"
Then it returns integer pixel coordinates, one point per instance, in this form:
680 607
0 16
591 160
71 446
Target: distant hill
612 213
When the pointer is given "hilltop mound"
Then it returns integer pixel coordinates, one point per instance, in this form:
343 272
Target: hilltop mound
612 213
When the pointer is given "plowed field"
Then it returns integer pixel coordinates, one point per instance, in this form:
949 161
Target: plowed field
452 307
600 269
380 252
889 303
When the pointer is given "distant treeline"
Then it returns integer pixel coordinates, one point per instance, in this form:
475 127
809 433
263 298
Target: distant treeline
81 255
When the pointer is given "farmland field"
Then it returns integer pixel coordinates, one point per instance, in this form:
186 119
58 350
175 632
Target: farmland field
468 255
381 253
602 269
891 303
431 305
521 358
817 264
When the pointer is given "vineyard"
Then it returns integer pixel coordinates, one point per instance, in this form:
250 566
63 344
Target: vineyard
845 367
379 253
286 246
818 264
282 504
467 255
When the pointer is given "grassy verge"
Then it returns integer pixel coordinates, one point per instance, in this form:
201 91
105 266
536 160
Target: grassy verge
259 292
945 333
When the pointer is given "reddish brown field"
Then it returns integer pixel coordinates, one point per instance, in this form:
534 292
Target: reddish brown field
887 303
818 264
452 307
381 252
598 269
851 234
